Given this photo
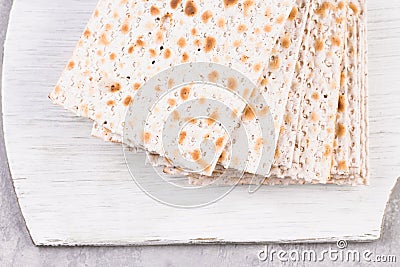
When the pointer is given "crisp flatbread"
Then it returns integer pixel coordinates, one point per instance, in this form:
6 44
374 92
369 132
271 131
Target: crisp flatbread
355 143
360 177
102 77
348 129
316 131
275 85
278 78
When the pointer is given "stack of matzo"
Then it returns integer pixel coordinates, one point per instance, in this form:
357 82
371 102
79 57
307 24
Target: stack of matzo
307 58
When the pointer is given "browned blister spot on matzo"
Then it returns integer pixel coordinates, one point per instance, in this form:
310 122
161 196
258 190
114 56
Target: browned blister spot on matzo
87 33
335 143
315 96
277 153
340 5
342 104
213 76
327 151
221 22
319 45
219 143
342 165
285 41
140 42
229 3
232 83
108 27
264 82
210 121
223 156
185 93
323 9
175 115
342 78
96 13
191 120
274 63
196 154
190 8
257 67
248 113
181 42
314 117
241 28
259 143
115 87
339 20
146 137
185 57
152 52
237 43
206 16
247 4
154 11
167 53
110 103
340 130
288 119
103 40
125 28
175 3
136 86
171 83
267 28
182 136
336 40
293 13
193 31
71 65
197 42
127 100
354 8
167 17
57 90
159 37
131 49
171 102
280 19
210 44
113 56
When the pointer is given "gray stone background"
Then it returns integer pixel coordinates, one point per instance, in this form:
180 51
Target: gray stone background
17 249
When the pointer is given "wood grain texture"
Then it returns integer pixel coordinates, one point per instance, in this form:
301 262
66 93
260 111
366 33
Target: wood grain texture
76 190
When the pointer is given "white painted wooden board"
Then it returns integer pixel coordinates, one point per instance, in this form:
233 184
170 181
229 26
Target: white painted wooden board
74 189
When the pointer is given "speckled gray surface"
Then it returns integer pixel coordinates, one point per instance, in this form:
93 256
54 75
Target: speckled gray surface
17 249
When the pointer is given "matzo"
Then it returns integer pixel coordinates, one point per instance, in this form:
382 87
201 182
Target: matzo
103 76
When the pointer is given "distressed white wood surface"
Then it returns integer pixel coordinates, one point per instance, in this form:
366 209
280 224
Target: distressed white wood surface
74 189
